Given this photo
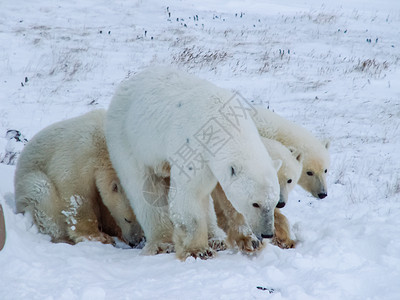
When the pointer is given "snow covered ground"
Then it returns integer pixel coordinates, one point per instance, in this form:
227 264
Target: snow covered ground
332 66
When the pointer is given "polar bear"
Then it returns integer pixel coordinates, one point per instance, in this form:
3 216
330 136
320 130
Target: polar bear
291 169
316 156
65 179
162 115
289 173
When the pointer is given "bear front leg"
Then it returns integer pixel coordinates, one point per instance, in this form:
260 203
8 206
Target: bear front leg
82 223
282 232
189 216
234 224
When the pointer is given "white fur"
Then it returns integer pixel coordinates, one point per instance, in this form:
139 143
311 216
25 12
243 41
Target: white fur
62 175
156 113
290 171
316 155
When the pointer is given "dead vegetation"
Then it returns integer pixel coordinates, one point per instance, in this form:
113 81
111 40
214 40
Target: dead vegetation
199 57
68 63
371 66
322 18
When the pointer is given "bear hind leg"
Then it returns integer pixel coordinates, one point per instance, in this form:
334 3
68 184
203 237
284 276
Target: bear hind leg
36 194
216 236
149 199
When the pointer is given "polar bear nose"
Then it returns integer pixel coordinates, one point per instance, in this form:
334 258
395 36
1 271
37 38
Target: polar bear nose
322 195
266 236
280 204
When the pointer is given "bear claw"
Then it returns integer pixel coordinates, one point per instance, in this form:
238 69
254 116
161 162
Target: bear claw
255 244
283 244
249 244
207 254
217 245
165 248
158 248
202 254
101 237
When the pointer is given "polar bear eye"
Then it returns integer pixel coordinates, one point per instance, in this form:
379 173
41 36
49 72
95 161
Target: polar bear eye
233 172
126 220
115 188
256 205
309 173
289 181
326 171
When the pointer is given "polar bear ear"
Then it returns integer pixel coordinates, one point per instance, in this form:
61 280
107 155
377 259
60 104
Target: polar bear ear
277 164
297 154
115 187
326 143
235 169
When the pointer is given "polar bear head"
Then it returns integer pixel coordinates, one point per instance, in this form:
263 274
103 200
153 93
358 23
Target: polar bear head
114 198
291 169
289 174
315 169
248 176
316 155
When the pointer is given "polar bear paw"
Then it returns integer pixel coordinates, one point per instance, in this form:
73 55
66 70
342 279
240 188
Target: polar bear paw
217 244
100 237
205 253
283 243
165 248
249 243
245 240
158 248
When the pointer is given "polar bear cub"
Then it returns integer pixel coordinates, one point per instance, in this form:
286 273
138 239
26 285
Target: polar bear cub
316 156
162 115
65 179
290 171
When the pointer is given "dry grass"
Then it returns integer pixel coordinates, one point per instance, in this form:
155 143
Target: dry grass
322 18
371 66
69 64
199 57
392 187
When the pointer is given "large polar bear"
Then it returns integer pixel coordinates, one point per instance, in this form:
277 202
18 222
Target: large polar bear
289 173
316 156
65 179
165 116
